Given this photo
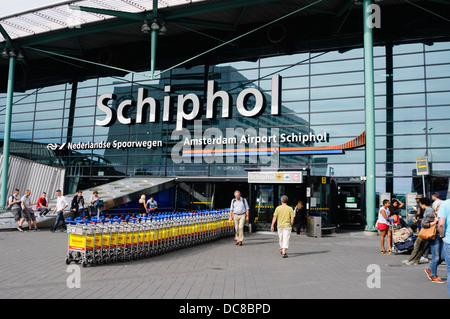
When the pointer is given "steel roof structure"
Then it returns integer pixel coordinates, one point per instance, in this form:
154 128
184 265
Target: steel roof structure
77 40
65 14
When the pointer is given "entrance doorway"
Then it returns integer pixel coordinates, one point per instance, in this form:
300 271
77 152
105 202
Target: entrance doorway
317 193
264 202
266 197
350 204
207 194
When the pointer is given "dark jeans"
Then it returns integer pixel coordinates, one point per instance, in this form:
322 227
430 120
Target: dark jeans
81 213
42 211
59 218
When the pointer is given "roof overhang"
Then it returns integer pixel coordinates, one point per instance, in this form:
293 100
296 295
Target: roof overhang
113 37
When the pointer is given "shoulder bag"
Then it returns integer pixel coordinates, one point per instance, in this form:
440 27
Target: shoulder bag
428 233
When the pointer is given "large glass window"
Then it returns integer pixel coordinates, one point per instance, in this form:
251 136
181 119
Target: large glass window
320 92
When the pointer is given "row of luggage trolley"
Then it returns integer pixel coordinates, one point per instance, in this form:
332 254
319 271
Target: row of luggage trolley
101 240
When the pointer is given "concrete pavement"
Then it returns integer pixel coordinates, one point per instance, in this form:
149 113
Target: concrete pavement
345 265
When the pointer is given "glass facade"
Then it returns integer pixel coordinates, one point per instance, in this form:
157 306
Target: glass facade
320 92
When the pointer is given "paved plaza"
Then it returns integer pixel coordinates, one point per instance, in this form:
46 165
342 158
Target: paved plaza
345 265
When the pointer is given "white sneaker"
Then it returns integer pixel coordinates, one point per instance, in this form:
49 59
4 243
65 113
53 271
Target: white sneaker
424 260
406 262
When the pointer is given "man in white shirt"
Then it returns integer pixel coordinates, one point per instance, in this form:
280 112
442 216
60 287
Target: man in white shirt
61 204
239 211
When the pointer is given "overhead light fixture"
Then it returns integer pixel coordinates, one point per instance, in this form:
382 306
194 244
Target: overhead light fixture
5 53
20 55
155 25
163 29
145 27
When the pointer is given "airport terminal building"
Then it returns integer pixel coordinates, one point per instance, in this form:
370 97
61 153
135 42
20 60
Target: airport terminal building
267 97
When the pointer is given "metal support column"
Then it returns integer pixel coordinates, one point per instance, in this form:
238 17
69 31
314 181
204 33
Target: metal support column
7 134
153 53
370 117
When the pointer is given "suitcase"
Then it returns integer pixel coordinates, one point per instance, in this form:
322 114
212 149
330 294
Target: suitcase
405 246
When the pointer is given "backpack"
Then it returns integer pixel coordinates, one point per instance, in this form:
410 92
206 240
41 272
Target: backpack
243 199
8 207
98 203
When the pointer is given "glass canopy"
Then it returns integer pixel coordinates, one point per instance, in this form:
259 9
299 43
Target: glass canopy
63 15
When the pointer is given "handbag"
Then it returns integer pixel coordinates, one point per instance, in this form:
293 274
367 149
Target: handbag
428 233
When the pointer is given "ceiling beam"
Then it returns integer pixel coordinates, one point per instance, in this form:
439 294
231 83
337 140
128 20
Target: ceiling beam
212 7
204 24
115 13
75 32
5 35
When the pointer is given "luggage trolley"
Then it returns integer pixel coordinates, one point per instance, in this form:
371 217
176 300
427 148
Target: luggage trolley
131 242
95 240
84 242
76 241
149 236
106 251
114 228
196 228
100 240
176 231
403 239
222 217
110 239
169 232
189 221
152 238
208 226
181 230
157 226
122 233
145 248
139 238
165 233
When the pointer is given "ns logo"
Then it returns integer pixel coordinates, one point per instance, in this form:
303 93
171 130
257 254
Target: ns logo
55 146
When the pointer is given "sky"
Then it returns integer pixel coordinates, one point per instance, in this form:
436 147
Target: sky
11 7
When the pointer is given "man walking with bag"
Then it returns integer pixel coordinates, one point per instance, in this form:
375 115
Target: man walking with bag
284 216
239 213
14 203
